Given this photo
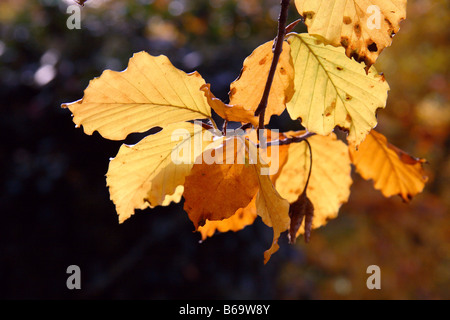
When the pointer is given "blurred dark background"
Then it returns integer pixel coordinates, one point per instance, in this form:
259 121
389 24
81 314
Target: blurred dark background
55 207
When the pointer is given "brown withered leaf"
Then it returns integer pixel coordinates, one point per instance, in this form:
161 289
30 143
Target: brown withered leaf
301 209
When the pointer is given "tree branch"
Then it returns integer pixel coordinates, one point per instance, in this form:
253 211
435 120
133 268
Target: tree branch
278 48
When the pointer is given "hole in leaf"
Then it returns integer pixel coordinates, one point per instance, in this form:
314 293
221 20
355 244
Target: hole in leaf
372 47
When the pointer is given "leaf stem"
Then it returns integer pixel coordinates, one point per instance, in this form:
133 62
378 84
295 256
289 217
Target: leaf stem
245 126
213 123
310 164
224 128
290 140
278 48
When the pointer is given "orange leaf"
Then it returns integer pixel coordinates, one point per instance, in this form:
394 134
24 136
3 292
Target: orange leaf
242 218
270 206
247 90
276 157
229 112
273 210
392 170
215 191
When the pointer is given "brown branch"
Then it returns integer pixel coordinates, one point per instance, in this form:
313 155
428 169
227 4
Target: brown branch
245 126
289 140
224 128
278 48
207 126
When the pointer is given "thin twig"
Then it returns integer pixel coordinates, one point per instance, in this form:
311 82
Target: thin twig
224 128
278 48
290 140
206 126
310 163
245 126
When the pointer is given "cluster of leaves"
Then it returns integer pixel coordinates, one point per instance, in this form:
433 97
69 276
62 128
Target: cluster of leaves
324 78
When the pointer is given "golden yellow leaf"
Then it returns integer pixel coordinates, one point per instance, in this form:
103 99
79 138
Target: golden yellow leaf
238 221
175 197
270 206
215 191
330 181
229 112
149 172
332 90
248 89
151 92
363 27
392 170
273 210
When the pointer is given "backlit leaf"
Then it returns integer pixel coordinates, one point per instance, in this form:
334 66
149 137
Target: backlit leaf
363 27
151 92
332 90
248 89
229 112
215 191
270 206
274 211
146 174
330 181
275 158
238 221
392 170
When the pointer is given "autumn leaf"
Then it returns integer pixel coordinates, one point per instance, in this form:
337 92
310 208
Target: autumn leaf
363 27
270 206
275 158
330 181
215 191
151 92
171 198
392 170
229 112
146 174
238 221
273 210
248 89
332 90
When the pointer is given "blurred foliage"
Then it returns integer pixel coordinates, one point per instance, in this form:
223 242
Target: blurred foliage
55 206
